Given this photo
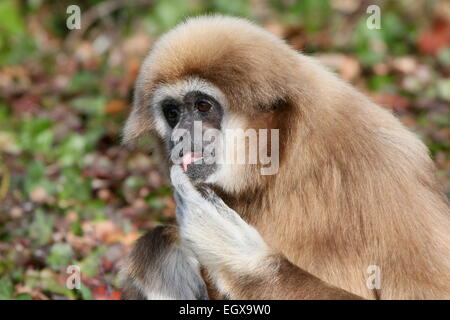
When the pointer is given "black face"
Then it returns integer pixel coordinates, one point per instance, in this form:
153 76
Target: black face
188 145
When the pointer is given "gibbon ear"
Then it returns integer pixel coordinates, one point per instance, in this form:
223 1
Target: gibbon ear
137 125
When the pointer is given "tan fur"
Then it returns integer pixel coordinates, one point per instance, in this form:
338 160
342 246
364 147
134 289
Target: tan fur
354 188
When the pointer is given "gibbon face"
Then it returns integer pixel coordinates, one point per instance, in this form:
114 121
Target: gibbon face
189 116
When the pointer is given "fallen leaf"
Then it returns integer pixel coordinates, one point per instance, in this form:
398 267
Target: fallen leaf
39 195
438 37
101 293
115 106
391 101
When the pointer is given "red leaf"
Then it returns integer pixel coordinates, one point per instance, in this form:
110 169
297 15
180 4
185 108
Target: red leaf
115 106
392 101
431 41
101 293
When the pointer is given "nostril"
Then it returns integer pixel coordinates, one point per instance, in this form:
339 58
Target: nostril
181 139
181 154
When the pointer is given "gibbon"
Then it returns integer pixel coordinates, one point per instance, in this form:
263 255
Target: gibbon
354 192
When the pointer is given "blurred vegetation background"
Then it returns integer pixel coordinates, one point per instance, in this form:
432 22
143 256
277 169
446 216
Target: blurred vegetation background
71 194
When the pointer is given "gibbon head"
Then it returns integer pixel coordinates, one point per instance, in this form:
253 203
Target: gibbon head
217 76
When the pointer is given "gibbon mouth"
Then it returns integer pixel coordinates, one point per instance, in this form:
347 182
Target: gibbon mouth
196 168
190 158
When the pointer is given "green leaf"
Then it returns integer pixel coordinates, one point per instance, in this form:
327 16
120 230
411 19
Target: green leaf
315 13
23 296
444 56
134 182
90 264
156 204
84 81
91 105
368 43
73 187
166 14
71 150
86 293
76 228
443 89
47 280
10 20
232 7
15 50
5 117
6 265
60 256
94 210
36 177
6 289
37 135
381 83
394 32
41 227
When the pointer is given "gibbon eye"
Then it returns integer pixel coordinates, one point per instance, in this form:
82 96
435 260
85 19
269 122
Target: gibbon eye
203 105
172 114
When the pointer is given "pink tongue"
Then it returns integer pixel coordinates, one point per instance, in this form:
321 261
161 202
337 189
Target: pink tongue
190 158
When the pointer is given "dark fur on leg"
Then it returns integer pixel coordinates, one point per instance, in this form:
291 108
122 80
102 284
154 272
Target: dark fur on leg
159 267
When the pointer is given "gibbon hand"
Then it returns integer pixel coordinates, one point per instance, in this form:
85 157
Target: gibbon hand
214 232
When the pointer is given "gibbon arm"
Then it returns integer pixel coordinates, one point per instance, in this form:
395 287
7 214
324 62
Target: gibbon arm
237 259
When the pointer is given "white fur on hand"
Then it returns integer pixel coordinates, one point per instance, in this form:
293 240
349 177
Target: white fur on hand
214 232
